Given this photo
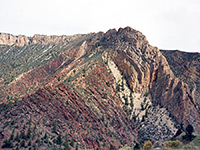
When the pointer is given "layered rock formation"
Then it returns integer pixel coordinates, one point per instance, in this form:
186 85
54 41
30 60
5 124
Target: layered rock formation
186 67
21 40
8 39
147 70
104 88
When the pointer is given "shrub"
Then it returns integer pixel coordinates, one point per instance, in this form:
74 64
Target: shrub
173 144
147 145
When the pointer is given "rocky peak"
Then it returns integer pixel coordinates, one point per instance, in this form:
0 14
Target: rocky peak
121 38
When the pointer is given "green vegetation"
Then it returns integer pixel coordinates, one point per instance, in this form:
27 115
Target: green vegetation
54 126
17 60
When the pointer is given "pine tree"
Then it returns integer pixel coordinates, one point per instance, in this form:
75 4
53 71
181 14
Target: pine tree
17 138
29 143
23 143
12 135
66 143
7 144
54 127
28 136
137 146
59 140
17 148
22 134
189 130
72 143
76 146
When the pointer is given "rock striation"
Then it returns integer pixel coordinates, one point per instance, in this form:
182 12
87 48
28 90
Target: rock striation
146 70
186 67
107 89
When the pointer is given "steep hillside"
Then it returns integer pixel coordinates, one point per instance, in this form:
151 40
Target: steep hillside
20 54
186 67
103 90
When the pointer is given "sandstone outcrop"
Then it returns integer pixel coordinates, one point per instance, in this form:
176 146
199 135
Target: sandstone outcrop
8 39
146 70
21 40
186 67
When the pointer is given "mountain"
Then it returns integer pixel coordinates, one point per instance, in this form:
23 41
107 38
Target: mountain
97 90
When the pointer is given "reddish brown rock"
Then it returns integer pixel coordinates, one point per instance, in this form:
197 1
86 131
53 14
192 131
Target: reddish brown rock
78 91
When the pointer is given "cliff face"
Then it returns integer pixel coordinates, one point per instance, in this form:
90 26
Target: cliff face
186 67
147 70
21 40
8 39
106 89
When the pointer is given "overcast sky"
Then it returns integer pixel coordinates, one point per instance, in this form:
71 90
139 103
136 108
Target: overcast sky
167 24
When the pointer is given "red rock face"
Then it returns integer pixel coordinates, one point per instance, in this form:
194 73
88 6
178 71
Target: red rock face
88 114
35 77
147 70
78 91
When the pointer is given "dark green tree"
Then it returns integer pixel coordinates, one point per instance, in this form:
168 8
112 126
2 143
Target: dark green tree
28 136
72 142
117 87
123 86
66 143
189 130
7 144
54 126
29 143
136 147
17 148
45 136
12 135
76 146
112 147
23 143
35 127
22 134
17 138
59 140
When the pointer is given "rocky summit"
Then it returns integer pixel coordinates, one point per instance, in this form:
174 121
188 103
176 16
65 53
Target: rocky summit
97 90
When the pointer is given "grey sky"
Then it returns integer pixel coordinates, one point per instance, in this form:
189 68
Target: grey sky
167 24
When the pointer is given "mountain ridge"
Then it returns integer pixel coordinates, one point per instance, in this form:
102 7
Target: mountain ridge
127 83
21 40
